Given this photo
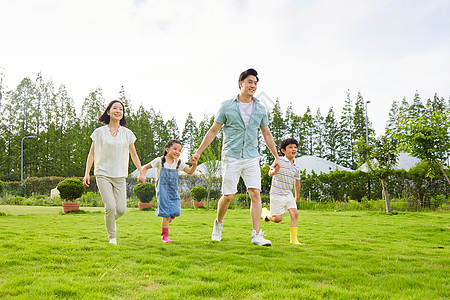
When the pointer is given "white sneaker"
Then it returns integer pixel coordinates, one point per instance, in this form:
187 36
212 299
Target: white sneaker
217 232
113 241
259 240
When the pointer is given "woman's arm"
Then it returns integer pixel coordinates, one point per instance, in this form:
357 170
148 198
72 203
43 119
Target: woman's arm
141 178
135 157
89 162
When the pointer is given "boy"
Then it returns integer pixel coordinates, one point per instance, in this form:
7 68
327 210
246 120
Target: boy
284 176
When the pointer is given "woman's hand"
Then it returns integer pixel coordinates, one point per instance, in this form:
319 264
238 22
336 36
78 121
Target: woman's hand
86 180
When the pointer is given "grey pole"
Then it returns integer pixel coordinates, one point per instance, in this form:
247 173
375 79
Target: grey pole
21 156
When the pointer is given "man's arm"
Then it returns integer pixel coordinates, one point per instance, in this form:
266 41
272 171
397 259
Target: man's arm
209 137
268 138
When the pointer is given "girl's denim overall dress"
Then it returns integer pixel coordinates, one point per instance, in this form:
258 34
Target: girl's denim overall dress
169 202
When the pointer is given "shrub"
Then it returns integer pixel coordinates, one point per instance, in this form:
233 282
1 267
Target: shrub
198 193
265 199
242 200
436 202
70 189
91 199
2 186
145 192
41 185
15 188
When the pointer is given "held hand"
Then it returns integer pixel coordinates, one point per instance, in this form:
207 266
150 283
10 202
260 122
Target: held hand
194 158
141 178
86 180
193 162
277 168
276 164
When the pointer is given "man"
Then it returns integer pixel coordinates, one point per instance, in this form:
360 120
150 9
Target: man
241 117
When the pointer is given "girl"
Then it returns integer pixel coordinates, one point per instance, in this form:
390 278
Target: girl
167 183
111 146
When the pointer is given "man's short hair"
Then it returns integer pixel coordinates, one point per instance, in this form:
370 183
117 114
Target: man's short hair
247 73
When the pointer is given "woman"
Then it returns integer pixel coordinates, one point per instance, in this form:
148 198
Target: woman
110 149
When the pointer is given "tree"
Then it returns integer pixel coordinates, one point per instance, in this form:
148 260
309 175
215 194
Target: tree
426 136
93 106
331 137
417 108
307 129
189 133
318 134
142 127
212 165
277 127
345 134
381 156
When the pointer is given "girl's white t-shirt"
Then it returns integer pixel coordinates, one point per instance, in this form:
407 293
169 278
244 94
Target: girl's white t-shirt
156 163
111 154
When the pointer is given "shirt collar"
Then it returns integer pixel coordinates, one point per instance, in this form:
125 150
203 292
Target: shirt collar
287 160
254 99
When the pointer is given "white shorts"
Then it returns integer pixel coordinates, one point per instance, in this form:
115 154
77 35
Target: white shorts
279 204
233 168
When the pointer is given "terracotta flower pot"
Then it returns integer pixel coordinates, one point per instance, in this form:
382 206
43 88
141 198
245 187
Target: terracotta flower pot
70 206
143 206
198 204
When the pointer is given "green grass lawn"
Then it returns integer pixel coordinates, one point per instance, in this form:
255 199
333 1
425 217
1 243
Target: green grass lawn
345 255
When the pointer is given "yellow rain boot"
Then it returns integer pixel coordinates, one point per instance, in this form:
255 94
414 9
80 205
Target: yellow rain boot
294 239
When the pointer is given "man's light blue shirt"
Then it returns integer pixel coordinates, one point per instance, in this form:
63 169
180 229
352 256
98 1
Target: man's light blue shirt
241 141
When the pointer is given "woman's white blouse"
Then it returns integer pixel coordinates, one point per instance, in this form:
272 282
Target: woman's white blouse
111 154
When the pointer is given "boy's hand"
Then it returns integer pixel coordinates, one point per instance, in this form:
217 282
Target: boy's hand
276 164
276 167
193 162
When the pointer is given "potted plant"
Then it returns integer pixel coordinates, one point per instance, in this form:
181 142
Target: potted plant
145 193
70 189
198 193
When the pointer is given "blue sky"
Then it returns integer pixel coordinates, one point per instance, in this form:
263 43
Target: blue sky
185 56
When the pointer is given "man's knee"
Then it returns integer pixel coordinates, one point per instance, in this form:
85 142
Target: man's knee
255 194
227 198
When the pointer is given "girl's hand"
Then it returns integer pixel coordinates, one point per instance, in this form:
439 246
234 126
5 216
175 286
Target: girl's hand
141 178
86 180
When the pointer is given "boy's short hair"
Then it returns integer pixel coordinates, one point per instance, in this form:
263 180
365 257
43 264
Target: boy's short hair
247 73
286 142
